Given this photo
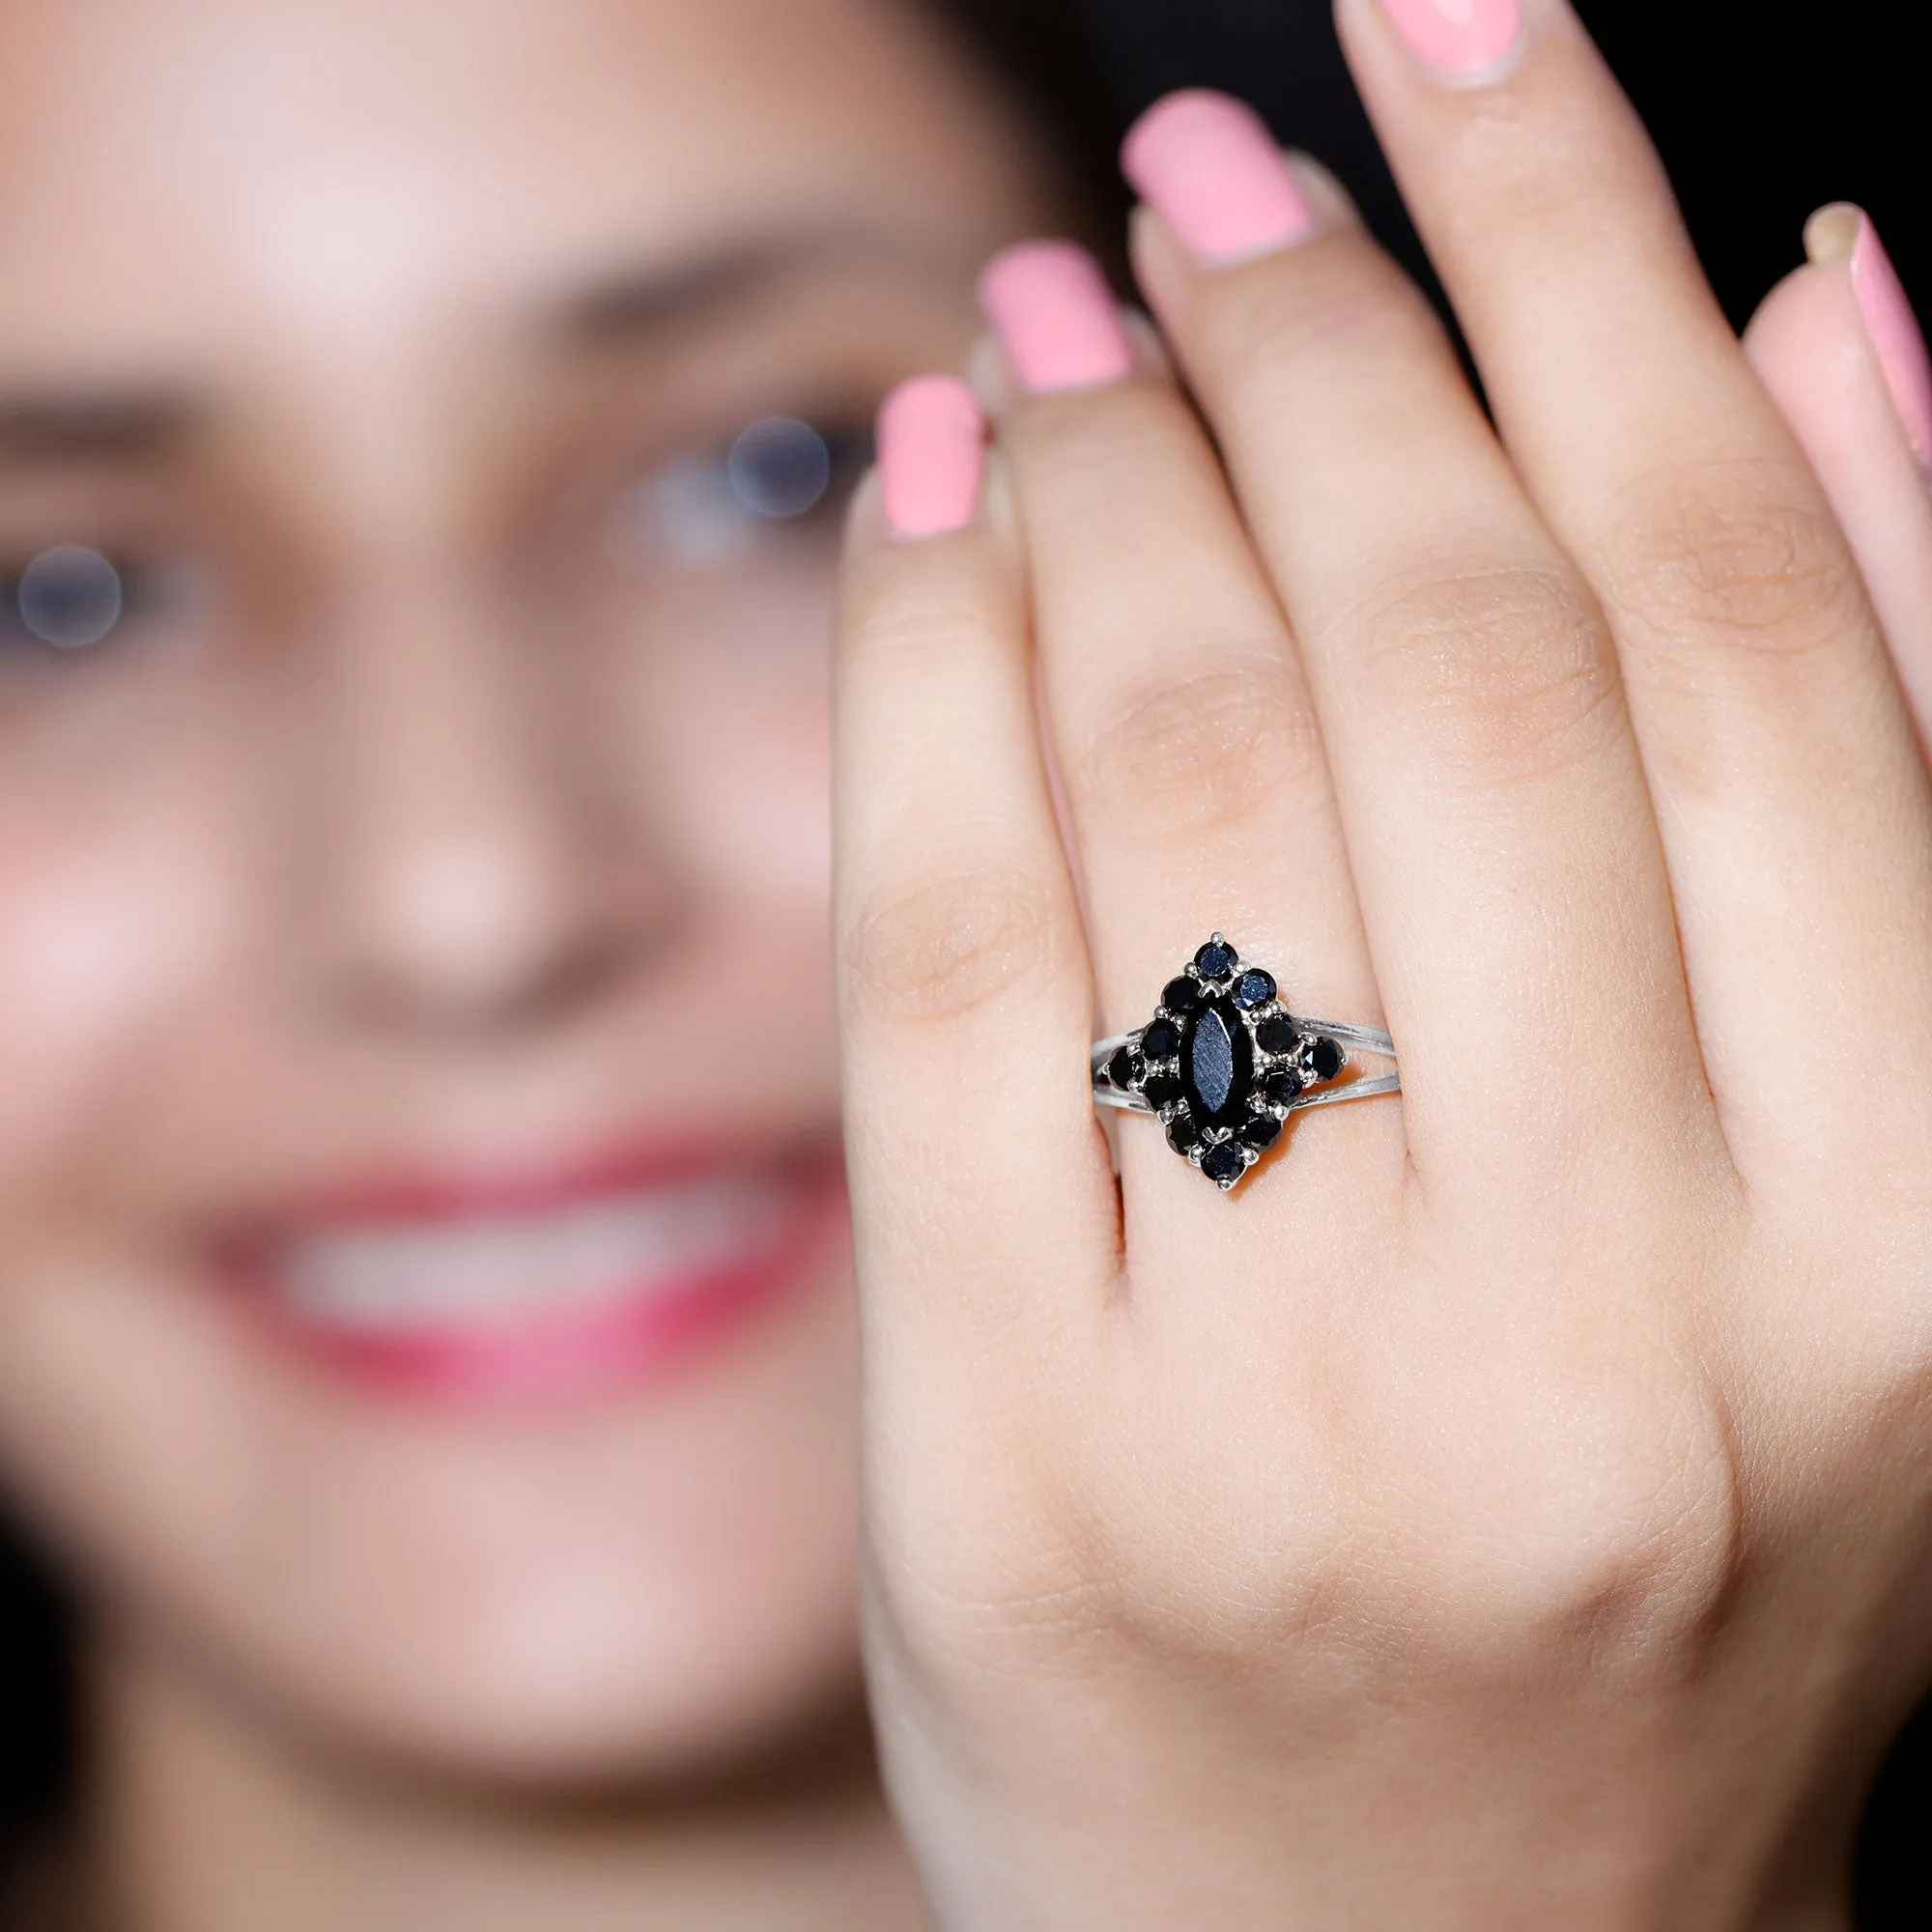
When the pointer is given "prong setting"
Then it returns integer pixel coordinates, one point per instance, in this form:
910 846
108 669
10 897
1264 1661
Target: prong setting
1222 1062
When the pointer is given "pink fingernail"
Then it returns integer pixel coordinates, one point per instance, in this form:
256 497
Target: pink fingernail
1209 164
1457 39
1895 335
931 436
1056 316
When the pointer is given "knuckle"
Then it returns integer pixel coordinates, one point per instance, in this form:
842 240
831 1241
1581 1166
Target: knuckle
1657 1570
998 1578
1357 304
923 614
1195 752
1004 1613
1625 1540
947 945
1745 550
1509 667
1094 433
1541 179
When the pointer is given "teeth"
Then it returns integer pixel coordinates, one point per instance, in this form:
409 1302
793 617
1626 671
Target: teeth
505 1268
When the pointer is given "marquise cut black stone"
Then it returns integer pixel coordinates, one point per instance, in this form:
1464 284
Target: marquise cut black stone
1262 1132
1215 960
1161 1040
1325 1058
1222 1163
1161 1089
1210 1073
1217 1063
1127 1068
1182 995
1254 988
1278 1034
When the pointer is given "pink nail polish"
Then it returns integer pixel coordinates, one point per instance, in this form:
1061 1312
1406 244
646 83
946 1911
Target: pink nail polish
930 440
1056 316
1457 39
1895 335
1209 164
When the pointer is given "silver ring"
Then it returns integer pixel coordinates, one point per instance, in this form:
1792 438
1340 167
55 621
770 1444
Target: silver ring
1223 1062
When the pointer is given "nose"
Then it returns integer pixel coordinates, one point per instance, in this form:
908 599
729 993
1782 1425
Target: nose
477 869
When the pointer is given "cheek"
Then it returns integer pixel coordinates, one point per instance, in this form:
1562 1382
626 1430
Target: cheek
112 933
103 943
772 825
747 773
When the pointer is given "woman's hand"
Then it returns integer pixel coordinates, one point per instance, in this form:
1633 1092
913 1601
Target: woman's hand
1509 1505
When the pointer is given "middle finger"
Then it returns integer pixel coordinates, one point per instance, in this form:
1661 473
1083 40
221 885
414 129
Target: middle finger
1498 823
1190 763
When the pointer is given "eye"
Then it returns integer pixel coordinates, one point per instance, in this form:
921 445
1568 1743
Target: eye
69 599
780 467
779 474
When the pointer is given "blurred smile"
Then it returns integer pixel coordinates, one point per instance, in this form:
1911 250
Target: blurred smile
540 1287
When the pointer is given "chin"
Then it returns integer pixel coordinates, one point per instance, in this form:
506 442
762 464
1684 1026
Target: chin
487 1548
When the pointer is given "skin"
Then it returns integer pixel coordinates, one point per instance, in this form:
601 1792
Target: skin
410 835
1508 1507
1809 344
378 851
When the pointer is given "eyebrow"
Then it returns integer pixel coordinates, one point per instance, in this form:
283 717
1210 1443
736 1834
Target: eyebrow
663 295
53 426
84 425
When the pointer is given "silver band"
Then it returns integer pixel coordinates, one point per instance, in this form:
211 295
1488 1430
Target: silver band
1360 1039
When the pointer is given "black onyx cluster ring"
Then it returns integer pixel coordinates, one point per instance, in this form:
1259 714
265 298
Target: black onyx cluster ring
1223 1062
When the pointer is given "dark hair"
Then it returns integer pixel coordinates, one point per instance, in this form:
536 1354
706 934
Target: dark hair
36 1696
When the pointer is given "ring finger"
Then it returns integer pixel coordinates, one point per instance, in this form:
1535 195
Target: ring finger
1790 792
1184 739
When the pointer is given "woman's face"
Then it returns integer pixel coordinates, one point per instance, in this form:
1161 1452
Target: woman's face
424 1302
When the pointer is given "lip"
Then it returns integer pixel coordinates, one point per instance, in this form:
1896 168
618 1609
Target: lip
663 1323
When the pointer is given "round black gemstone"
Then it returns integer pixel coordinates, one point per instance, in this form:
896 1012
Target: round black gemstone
1161 1040
1278 1034
1254 988
1222 1163
1281 1088
1183 1135
1215 960
1217 1065
1263 1132
1127 1068
1182 995
1161 1089
1325 1058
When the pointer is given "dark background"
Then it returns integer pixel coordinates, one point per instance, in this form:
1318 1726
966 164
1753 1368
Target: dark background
1762 113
